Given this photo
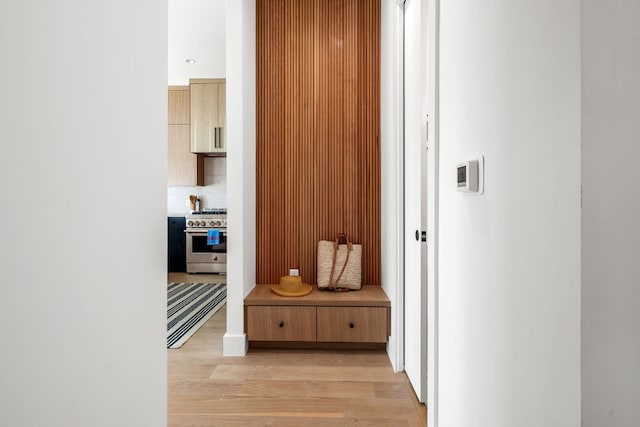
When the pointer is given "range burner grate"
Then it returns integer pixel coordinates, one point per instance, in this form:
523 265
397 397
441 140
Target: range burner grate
211 212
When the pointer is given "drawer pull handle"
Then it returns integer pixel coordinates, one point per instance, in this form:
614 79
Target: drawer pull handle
351 325
281 324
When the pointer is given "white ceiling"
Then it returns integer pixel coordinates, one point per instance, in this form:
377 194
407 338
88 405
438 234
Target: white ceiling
196 30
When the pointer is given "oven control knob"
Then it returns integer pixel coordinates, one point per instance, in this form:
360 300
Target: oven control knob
211 223
196 223
190 223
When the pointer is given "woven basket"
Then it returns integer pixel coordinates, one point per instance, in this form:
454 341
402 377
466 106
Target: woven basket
345 277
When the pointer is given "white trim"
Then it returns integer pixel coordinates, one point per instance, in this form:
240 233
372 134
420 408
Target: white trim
415 197
433 61
234 345
241 169
391 169
400 195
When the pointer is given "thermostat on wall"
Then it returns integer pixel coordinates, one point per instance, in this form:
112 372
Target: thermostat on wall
470 174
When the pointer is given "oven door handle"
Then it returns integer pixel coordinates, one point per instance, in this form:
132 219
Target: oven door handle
222 233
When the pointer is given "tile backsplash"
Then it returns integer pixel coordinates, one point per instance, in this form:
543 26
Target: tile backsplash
212 195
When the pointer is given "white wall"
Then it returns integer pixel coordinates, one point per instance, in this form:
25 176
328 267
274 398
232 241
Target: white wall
241 167
83 116
509 278
391 170
610 212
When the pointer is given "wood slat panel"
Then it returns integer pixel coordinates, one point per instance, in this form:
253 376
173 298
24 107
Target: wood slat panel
317 137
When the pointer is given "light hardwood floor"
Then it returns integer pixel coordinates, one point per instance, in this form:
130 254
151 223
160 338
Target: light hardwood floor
283 387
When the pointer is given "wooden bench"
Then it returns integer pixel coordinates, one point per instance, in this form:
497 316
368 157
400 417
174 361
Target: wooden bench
322 319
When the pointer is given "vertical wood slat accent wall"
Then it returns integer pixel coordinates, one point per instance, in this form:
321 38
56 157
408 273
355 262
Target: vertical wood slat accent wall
317 137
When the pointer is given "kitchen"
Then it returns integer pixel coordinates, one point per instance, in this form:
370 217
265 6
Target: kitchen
196 191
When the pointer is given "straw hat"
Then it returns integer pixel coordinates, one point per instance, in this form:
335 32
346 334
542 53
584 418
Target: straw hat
291 286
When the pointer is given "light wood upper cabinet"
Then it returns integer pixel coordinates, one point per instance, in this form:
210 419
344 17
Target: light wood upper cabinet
184 167
179 105
208 115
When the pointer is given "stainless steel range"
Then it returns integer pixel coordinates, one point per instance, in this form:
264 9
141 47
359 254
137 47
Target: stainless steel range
203 257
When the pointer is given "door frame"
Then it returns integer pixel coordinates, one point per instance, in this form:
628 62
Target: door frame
433 161
429 194
416 177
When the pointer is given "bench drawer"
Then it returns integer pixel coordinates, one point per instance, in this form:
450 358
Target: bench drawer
281 323
352 324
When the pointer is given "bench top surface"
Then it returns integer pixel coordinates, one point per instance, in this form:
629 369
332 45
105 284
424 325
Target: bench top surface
368 296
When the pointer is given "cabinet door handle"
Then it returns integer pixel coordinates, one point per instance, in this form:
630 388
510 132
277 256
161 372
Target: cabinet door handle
221 145
351 325
281 324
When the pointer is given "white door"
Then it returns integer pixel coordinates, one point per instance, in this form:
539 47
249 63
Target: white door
415 167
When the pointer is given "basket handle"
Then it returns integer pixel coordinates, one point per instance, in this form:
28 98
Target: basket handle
333 262
344 237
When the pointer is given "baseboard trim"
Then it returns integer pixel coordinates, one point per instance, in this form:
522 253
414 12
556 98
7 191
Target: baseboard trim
316 345
234 345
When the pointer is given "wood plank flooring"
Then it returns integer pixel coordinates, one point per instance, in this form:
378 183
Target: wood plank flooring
283 387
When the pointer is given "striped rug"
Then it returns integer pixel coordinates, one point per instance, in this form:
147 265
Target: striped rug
189 306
